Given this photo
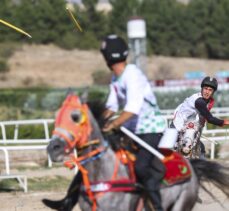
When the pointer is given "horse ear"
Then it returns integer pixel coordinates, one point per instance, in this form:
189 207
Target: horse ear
69 91
84 96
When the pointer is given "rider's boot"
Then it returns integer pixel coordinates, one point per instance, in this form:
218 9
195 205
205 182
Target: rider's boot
155 198
70 200
153 184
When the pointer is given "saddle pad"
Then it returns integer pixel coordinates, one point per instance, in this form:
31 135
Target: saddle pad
177 168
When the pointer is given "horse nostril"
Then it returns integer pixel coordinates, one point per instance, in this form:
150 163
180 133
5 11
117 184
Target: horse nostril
56 147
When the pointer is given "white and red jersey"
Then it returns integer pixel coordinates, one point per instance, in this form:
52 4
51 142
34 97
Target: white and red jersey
186 112
195 109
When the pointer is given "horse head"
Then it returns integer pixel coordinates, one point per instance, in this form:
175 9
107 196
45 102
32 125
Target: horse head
189 138
72 128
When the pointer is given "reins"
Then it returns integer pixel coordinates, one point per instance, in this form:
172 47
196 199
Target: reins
96 189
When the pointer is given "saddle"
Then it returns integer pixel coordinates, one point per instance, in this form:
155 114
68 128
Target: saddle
177 168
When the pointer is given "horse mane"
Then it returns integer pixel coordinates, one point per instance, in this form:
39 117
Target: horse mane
97 108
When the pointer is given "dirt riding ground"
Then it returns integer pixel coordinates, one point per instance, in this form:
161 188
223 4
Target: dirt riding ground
31 201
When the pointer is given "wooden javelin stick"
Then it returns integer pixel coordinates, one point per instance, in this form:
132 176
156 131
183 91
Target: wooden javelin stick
15 28
142 143
74 19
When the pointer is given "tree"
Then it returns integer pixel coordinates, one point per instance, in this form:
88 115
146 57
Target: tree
120 14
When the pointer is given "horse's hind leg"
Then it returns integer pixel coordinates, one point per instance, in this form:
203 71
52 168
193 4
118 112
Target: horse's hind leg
140 203
186 201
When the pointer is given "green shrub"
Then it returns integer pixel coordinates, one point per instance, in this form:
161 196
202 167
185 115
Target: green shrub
68 41
4 67
8 48
101 77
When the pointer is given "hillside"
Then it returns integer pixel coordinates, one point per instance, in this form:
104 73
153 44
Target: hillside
54 67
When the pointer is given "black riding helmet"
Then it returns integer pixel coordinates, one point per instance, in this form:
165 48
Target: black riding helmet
209 81
114 49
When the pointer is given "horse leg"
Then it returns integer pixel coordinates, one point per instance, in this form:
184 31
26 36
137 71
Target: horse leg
187 196
70 200
186 201
141 203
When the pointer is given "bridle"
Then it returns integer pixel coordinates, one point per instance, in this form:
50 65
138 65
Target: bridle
76 134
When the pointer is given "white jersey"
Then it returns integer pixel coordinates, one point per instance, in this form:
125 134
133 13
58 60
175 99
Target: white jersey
186 112
132 92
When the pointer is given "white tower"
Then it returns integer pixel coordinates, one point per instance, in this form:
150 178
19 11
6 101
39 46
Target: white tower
136 32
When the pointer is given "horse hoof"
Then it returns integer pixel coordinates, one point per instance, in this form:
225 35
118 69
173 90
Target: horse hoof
53 204
199 200
60 205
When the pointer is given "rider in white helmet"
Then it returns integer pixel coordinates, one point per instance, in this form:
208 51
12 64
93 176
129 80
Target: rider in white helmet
131 93
197 107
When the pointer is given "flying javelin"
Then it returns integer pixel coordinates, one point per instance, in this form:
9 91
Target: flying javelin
15 28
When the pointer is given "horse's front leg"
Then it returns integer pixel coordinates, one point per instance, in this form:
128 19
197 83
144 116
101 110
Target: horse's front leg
70 200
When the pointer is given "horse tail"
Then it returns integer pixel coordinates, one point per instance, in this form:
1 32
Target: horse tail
212 172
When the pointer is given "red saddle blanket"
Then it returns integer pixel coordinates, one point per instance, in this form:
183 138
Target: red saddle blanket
177 168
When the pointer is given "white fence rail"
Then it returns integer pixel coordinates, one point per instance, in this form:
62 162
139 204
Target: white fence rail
17 123
215 136
223 111
6 145
15 144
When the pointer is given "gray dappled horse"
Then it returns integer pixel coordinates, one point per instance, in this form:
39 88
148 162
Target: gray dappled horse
78 133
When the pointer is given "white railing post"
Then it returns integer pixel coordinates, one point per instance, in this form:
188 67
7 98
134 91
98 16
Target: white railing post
49 161
7 163
46 129
212 150
16 131
3 132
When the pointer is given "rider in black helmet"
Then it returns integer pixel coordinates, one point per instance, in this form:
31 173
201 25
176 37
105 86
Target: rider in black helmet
131 92
198 105
114 50
211 82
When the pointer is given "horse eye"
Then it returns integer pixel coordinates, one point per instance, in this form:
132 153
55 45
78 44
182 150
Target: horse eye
76 116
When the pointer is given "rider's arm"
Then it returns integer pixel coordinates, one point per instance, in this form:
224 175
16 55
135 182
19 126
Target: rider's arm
112 101
201 106
107 114
124 116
